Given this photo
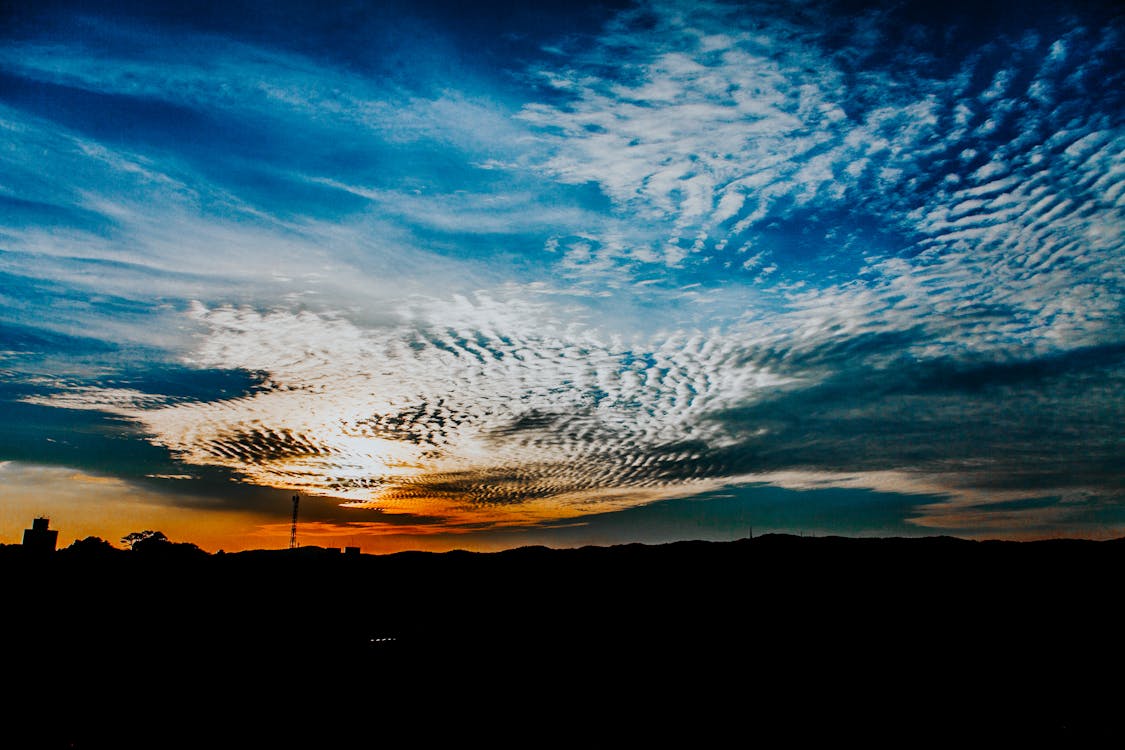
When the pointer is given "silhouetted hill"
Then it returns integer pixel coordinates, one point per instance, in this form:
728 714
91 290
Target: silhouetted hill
866 637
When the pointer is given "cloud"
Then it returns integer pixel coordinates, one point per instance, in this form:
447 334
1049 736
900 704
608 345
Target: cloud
516 422
758 145
707 245
242 173
462 407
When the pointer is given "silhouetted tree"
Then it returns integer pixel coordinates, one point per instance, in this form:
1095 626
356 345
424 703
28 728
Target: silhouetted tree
154 545
91 547
147 537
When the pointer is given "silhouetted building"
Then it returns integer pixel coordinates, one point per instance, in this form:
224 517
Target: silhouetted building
39 538
351 551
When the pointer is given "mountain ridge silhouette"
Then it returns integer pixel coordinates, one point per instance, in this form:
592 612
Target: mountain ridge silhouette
785 633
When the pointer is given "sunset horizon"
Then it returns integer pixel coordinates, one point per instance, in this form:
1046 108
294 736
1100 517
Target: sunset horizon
561 274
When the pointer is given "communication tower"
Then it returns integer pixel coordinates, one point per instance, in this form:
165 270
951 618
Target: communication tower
293 528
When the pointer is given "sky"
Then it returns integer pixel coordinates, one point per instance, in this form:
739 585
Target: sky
484 275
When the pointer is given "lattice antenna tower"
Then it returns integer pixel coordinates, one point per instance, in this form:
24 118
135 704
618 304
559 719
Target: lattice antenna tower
293 528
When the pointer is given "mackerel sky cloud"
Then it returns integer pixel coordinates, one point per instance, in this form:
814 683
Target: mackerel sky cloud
525 272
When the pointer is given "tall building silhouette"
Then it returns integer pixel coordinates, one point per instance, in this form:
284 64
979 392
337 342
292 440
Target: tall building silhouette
39 538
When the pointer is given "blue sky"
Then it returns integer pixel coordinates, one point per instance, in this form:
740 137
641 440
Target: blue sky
475 276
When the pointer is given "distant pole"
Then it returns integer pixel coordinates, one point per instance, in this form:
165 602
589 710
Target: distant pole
293 528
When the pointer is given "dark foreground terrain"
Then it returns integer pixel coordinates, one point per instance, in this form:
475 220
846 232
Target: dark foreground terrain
703 643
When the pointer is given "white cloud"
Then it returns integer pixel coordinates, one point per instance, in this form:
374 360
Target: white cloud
469 391
718 137
427 382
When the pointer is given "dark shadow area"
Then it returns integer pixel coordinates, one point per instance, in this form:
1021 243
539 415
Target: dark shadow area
871 639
